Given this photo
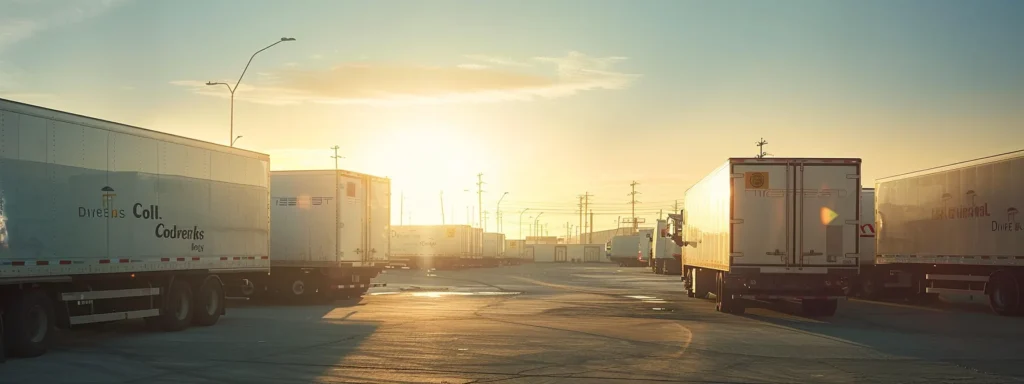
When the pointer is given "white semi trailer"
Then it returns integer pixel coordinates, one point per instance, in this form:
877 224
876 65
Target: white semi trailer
436 246
330 236
493 249
779 228
101 221
624 250
955 229
666 255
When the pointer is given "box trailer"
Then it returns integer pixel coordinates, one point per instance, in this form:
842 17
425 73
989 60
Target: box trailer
331 233
434 246
515 252
666 255
493 249
954 229
779 228
625 250
101 221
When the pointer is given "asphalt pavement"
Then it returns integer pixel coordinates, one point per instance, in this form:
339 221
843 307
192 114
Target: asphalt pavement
543 323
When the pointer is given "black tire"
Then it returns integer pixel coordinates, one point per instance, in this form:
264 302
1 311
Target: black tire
298 288
29 323
1004 294
177 312
209 302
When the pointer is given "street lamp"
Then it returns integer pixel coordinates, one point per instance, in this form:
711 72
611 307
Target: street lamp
497 212
235 88
536 222
521 223
236 139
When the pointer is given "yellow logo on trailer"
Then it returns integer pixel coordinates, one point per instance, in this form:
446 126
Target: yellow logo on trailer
449 232
757 180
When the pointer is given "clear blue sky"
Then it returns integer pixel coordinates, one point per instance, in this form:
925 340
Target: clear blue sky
549 99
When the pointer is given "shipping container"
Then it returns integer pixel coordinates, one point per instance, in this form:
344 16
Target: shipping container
101 221
331 233
434 246
954 229
779 228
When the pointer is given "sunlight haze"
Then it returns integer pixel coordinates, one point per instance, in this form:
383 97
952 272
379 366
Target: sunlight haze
548 99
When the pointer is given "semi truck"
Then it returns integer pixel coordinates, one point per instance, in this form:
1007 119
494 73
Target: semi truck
773 229
954 229
435 246
624 250
493 249
330 236
101 221
666 255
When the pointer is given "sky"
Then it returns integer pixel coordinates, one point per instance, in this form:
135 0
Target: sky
549 100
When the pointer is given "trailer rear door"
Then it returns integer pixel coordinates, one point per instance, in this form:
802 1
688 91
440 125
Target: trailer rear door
795 215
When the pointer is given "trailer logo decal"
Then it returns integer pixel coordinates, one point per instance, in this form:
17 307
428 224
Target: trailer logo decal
807 193
757 180
302 201
449 232
1011 224
961 211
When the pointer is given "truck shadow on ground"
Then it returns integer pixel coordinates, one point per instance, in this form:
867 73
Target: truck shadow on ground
965 335
253 345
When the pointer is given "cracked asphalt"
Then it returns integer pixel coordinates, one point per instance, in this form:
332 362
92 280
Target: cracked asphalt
545 323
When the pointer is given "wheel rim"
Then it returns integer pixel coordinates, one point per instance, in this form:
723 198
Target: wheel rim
249 288
184 305
39 322
999 297
298 288
213 302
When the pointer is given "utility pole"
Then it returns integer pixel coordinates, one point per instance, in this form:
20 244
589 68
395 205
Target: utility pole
633 202
675 207
480 196
590 238
483 224
586 203
401 210
337 203
760 149
579 240
442 207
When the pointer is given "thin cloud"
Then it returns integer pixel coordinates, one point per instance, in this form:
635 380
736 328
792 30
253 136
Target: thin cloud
21 20
380 84
497 60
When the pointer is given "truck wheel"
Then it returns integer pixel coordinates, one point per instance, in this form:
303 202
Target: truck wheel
29 323
1004 294
177 312
298 288
209 303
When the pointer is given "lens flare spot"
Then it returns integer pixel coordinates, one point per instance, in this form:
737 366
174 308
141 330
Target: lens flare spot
828 215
